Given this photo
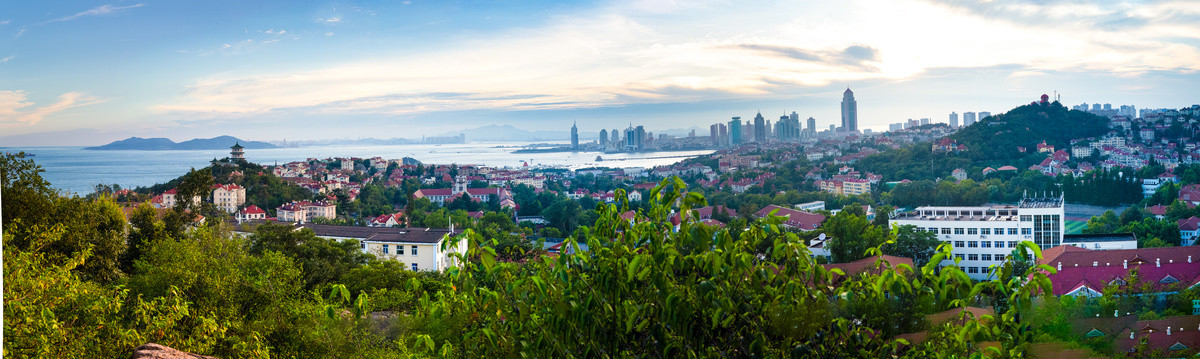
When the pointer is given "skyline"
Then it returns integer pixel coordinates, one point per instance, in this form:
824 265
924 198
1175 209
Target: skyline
85 73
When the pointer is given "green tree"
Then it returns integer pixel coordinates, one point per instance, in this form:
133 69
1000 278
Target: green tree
323 260
850 236
911 242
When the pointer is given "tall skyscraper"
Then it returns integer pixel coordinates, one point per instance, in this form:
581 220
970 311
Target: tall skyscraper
616 138
984 114
924 121
574 137
849 111
760 128
713 136
631 141
812 124
968 118
723 131
603 138
953 119
735 131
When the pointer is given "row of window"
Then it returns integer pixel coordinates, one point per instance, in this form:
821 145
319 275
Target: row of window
981 257
399 251
978 231
984 244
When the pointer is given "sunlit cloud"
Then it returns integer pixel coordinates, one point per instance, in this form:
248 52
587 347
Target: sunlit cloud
17 110
628 54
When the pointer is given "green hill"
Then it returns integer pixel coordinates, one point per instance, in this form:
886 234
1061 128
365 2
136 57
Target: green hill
993 142
998 137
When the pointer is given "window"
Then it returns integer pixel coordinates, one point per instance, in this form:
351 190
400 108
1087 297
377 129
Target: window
999 231
985 231
973 270
385 249
959 244
400 249
972 257
972 244
958 231
362 245
1012 231
945 230
1168 279
414 267
1000 257
986 244
958 256
999 244
972 231
1012 244
933 229
1026 231
1026 218
414 250
985 257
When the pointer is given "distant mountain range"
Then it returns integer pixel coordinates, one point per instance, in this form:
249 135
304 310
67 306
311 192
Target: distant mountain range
161 144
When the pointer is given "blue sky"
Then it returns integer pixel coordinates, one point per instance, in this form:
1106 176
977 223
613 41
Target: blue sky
85 72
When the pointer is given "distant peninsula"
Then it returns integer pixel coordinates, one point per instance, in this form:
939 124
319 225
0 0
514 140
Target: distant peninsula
164 144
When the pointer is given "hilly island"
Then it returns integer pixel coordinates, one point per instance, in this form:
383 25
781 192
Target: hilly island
165 144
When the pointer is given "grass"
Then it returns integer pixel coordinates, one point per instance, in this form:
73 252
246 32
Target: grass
1075 227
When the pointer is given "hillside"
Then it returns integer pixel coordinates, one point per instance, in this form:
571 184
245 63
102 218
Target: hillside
999 136
993 142
161 144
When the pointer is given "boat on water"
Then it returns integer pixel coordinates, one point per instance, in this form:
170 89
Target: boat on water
598 158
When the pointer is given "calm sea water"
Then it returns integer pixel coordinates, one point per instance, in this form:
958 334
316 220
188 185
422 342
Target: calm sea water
75 170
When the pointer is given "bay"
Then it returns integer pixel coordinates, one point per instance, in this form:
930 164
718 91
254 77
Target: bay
75 170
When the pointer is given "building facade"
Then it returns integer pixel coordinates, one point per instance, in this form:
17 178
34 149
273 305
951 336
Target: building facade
849 111
984 236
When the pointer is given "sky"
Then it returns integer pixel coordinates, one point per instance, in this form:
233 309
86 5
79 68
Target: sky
88 72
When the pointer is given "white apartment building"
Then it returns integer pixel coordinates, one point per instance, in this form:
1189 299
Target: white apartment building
420 249
228 197
984 236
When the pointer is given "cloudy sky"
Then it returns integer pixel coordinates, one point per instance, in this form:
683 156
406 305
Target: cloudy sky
87 72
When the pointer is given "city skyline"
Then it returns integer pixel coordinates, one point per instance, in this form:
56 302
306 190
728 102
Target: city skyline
87 73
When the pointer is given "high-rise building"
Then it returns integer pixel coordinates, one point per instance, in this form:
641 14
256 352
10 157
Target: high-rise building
616 138
768 131
640 132
849 111
984 114
723 131
713 135
1095 107
968 118
760 129
812 124
603 138
953 119
574 137
631 138
735 131
924 121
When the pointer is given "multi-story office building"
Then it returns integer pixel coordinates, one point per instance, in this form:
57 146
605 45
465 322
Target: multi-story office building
849 111
760 128
735 131
812 125
984 236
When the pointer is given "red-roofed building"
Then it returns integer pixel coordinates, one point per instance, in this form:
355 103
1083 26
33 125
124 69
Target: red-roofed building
1087 272
1190 193
251 212
794 219
388 220
1158 211
228 197
1187 230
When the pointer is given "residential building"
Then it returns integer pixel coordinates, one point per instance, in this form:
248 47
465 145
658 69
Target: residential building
1086 272
953 120
418 248
794 219
250 213
228 197
811 206
983 236
968 118
305 211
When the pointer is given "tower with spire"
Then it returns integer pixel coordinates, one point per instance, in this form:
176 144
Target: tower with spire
849 111
236 152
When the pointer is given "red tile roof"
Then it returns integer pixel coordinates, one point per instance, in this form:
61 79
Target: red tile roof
795 218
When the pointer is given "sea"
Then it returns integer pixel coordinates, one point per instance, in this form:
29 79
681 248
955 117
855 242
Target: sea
74 170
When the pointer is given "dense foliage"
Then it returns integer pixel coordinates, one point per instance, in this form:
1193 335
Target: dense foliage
643 288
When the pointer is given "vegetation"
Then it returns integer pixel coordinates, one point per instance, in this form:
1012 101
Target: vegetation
746 290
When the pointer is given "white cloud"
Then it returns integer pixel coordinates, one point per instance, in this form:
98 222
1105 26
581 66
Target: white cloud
17 110
100 10
331 20
6 59
632 53
5 22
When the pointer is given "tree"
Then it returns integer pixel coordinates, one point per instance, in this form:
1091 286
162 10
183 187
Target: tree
912 242
322 260
850 236
1103 224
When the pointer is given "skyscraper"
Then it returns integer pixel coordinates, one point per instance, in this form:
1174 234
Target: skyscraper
735 131
924 121
760 128
968 118
603 138
616 138
849 111
723 131
812 125
984 114
574 137
953 119
640 132
630 138
713 136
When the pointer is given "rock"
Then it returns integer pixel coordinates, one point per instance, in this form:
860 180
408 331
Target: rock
157 351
